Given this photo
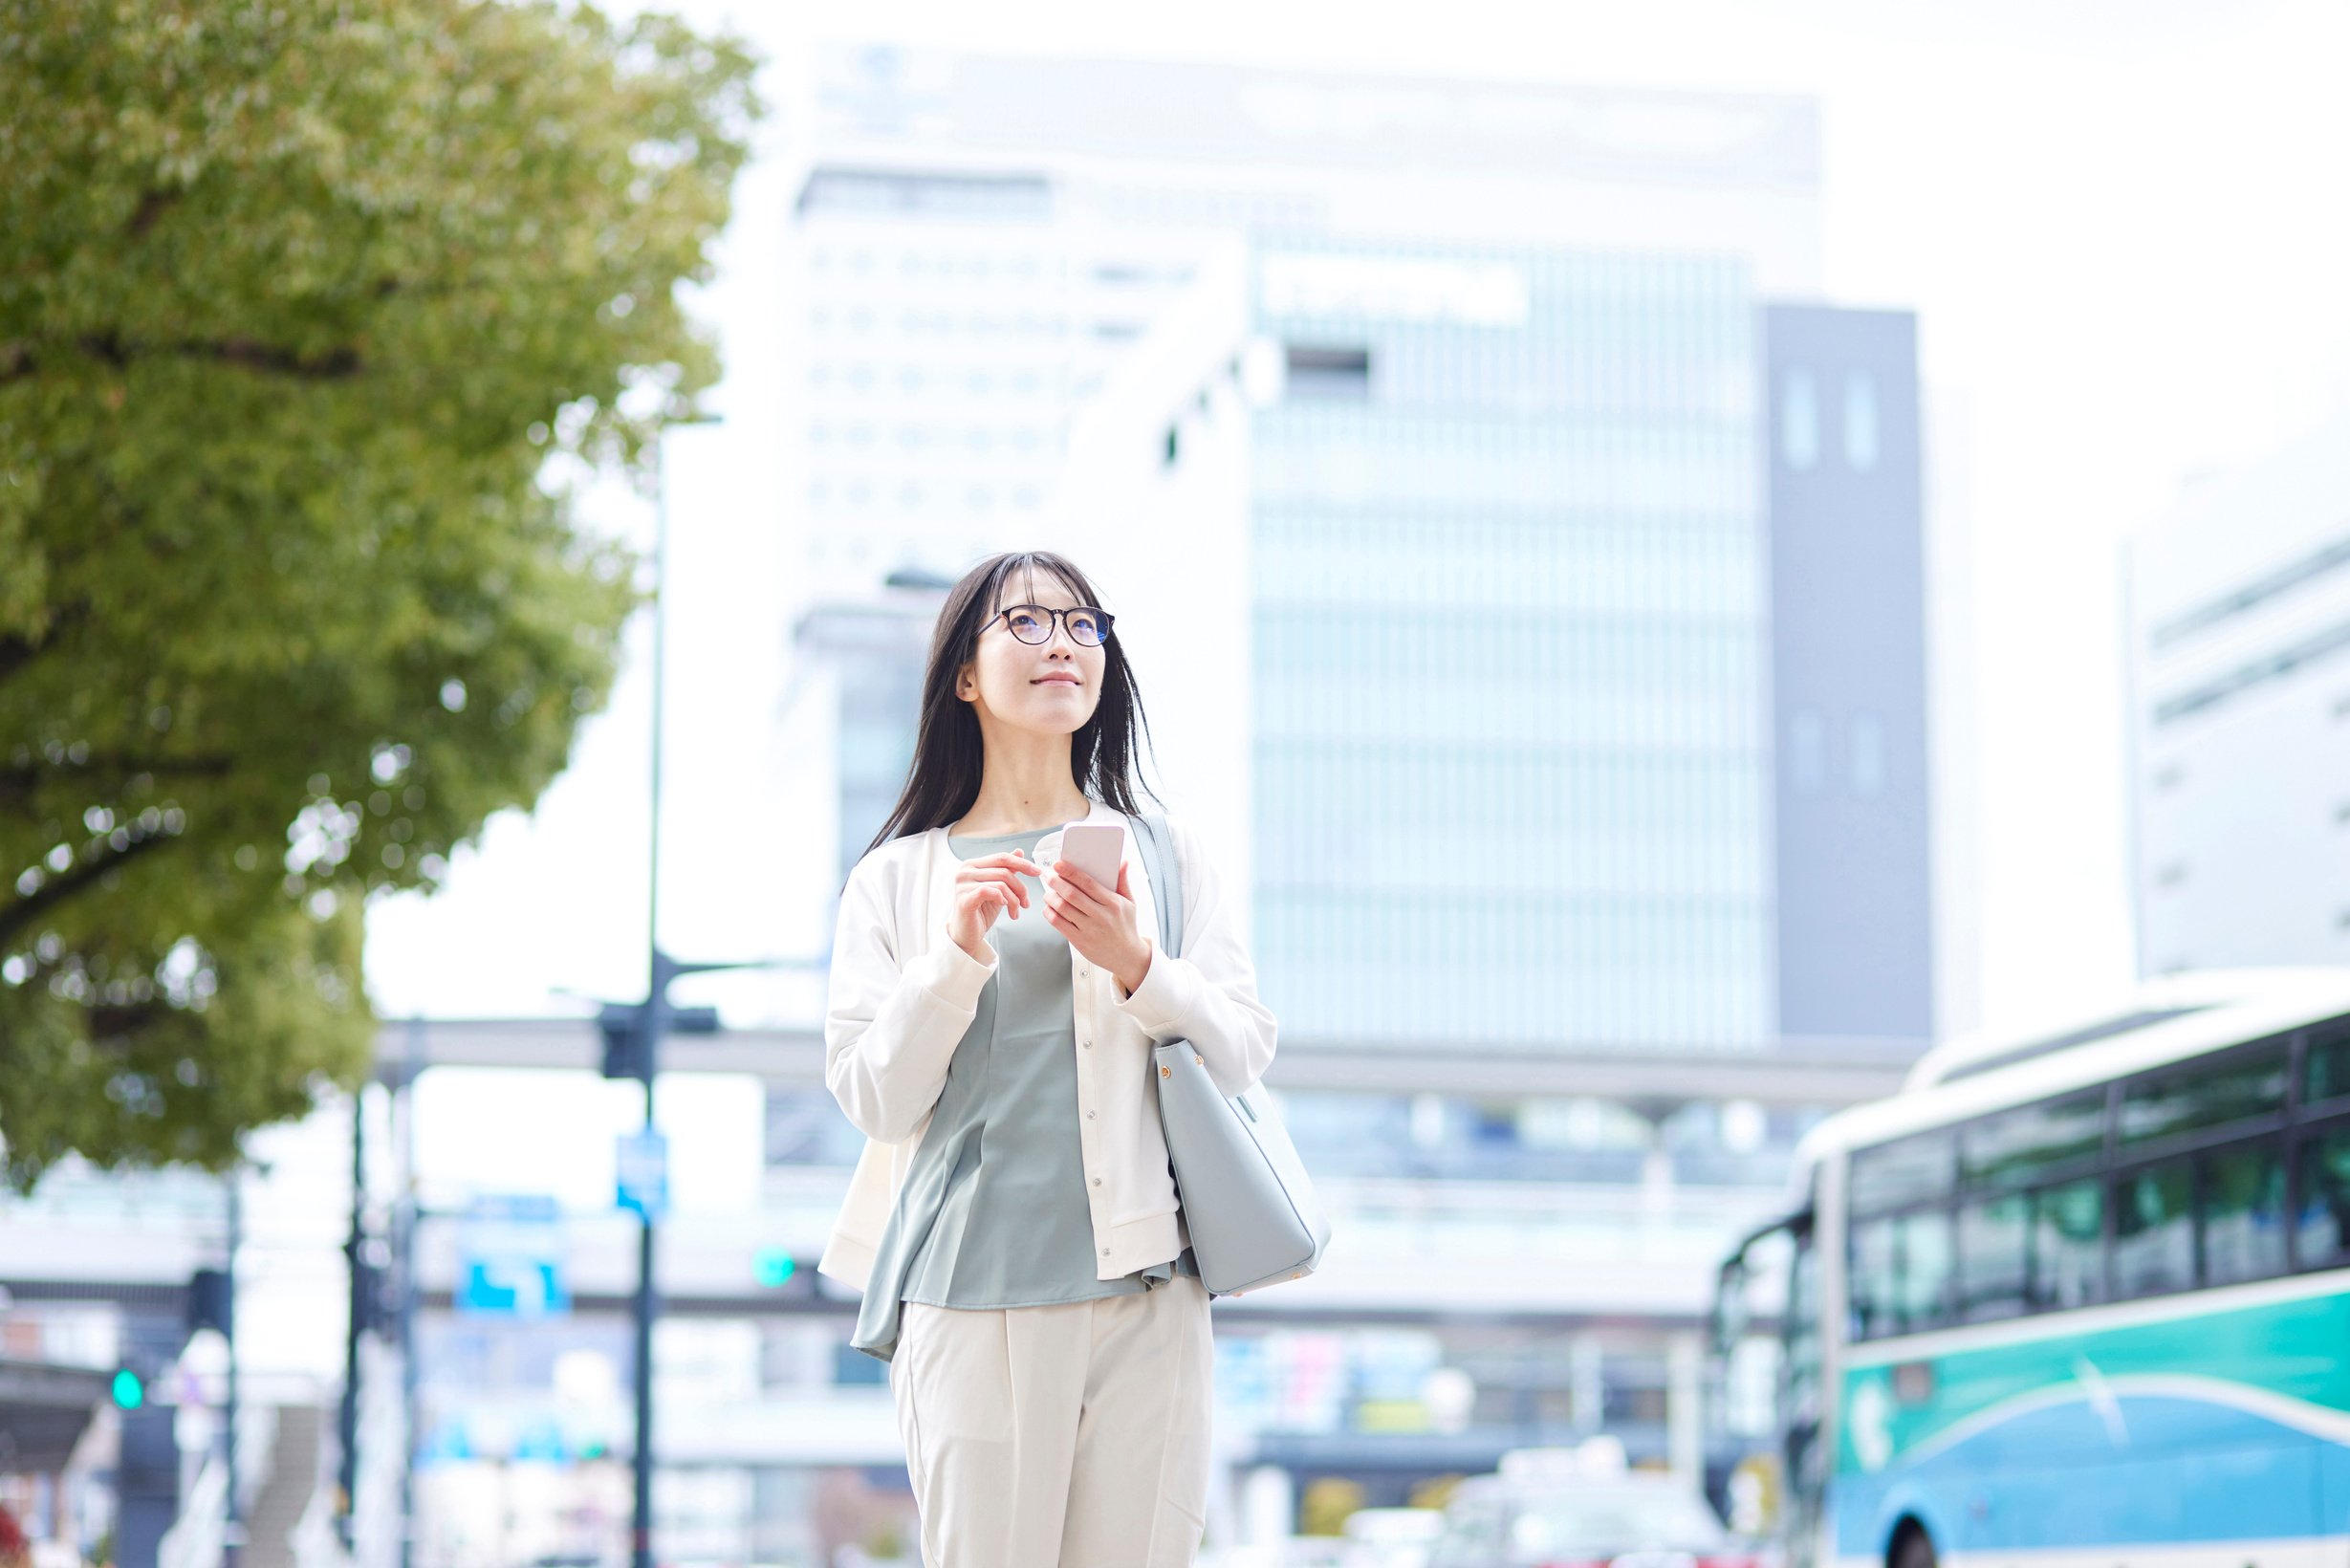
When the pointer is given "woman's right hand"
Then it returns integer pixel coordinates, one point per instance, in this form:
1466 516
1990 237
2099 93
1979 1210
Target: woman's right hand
984 888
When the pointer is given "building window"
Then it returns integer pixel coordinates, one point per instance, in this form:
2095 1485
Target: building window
1328 372
1799 422
1868 755
1807 752
1860 422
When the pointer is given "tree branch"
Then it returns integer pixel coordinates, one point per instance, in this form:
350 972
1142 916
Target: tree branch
17 916
335 364
17 652
18 362
152 205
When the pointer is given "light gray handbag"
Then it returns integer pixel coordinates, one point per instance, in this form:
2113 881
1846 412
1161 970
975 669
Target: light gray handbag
1246 1198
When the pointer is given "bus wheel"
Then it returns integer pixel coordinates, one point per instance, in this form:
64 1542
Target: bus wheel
1912 1547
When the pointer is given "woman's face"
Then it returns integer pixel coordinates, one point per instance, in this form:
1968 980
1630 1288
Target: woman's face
1049 688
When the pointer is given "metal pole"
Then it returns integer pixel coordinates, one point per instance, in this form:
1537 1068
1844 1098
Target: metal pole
232 1537
404 1111
347 1429
641 1541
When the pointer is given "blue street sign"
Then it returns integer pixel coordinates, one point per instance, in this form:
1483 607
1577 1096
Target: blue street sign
510 1256
642 1166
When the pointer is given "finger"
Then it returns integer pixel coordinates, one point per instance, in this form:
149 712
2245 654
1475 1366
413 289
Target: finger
1086 896
1007 880
1123 891
1078 878
1013 860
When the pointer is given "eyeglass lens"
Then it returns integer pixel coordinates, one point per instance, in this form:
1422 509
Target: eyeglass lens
1033 623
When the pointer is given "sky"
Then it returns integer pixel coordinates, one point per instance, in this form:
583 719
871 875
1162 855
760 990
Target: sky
2121 228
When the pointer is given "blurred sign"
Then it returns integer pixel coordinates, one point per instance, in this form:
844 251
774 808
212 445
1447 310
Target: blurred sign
643 1163
511 1258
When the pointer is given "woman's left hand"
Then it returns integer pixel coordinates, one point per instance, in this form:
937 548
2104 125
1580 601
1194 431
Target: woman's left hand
1099 922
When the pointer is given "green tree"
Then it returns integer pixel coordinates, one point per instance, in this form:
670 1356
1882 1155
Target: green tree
312 313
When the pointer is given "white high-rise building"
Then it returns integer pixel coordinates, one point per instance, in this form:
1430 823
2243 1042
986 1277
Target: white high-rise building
2239 717
977 239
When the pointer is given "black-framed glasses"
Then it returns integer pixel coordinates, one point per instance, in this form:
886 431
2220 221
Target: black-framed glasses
1089 625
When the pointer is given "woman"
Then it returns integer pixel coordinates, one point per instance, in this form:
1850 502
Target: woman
1012 1223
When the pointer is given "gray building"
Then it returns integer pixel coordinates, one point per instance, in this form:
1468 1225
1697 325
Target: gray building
1576 724
1852 817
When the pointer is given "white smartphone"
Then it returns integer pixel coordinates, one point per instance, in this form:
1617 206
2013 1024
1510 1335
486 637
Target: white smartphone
1094 848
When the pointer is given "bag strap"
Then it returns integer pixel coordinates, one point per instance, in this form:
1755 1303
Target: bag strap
1166 879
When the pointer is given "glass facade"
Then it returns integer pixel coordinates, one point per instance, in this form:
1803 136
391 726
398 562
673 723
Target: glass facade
1512 622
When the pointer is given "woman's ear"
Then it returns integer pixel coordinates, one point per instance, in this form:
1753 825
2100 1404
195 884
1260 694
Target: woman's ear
967 683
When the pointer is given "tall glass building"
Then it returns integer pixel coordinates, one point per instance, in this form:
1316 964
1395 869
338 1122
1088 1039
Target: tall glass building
1512 625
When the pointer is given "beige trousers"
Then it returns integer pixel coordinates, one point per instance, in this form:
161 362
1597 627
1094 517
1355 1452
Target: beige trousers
1067 1436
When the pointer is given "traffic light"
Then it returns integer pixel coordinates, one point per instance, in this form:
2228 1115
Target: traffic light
623 1030
626 1052
129 1389
626 1027
784 1274
212 1301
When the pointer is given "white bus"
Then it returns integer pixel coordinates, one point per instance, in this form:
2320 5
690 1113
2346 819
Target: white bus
2080 1301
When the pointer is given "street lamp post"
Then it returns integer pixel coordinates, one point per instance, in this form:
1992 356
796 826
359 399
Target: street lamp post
652 1023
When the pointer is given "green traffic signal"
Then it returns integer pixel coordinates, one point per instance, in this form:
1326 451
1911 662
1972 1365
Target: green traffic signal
129 1393
775 1266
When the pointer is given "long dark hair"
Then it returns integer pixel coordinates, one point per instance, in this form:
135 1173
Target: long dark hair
1104 756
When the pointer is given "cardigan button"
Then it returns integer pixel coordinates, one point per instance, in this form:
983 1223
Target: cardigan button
1166 1072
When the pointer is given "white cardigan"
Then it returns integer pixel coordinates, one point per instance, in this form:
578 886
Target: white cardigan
903 993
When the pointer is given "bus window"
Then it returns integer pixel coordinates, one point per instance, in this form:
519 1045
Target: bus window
2068 1246
2154 1230
1918 1169
1874 1279
2230 1088
2019 1146
2244 1214
1991 1237
1924 1298
2326 1074
1902 1269
2325 1196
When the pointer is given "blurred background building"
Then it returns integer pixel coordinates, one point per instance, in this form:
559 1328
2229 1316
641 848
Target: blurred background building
2238 613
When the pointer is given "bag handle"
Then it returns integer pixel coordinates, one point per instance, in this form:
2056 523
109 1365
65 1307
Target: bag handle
1166 879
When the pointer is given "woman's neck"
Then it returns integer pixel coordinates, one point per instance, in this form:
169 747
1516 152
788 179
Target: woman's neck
1023 788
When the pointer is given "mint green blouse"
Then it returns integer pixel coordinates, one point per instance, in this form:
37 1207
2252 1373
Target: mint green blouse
992 1210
